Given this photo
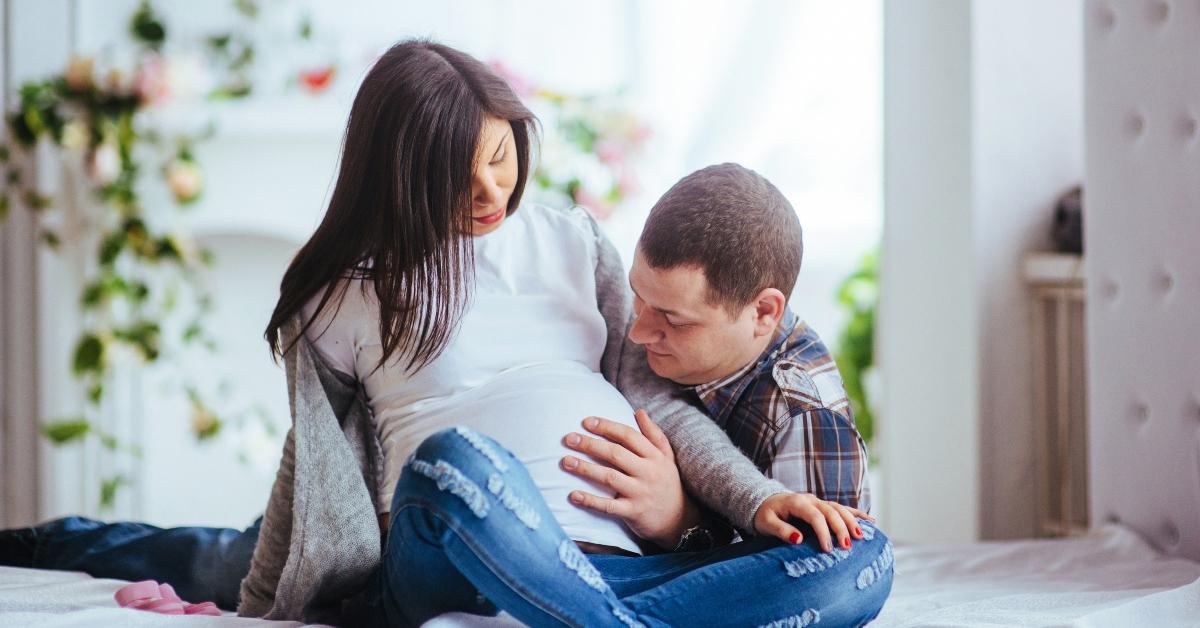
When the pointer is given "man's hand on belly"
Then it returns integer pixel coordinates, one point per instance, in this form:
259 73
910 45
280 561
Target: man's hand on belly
640 468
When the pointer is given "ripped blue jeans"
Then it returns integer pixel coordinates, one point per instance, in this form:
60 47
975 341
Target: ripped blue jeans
471 533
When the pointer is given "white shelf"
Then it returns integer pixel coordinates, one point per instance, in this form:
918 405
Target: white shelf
1054 268
317 118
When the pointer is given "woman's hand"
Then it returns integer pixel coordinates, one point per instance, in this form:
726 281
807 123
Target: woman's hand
639 466
772 519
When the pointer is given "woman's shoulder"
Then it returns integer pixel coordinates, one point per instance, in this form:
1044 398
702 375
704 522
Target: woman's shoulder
574 219
340 327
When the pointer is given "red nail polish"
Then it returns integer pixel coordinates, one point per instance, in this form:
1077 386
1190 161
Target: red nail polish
846 542
858 532
794 538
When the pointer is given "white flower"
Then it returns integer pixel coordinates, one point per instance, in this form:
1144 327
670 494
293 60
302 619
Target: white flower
75 135
105 164
188 76
185 180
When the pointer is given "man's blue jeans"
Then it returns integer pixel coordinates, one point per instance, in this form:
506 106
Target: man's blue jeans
470 532
201 564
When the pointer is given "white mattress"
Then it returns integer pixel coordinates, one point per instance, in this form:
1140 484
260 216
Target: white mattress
1109 578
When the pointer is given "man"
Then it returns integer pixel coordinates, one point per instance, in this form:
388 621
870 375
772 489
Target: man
711 279
712 275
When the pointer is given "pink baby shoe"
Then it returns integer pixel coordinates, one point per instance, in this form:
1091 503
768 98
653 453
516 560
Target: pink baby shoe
149 595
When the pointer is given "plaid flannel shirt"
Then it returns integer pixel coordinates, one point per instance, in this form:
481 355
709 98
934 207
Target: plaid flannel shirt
789 413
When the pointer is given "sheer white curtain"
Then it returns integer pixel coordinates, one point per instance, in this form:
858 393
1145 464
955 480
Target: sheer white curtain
790 89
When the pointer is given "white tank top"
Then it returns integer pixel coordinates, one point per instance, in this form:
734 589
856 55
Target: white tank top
523 366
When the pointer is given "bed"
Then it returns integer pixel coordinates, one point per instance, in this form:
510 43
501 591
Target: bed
1111 577
1138 566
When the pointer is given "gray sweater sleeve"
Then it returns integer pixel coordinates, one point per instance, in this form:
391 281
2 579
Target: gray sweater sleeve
712 468
271 551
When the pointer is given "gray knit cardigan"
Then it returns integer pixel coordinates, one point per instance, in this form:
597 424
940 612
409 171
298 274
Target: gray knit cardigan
320 540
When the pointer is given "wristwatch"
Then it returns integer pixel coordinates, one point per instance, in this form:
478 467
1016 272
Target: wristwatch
694 539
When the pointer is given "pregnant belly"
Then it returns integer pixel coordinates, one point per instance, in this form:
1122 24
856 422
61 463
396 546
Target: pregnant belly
529 411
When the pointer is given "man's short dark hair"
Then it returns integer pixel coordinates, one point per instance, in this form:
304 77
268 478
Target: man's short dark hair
734 225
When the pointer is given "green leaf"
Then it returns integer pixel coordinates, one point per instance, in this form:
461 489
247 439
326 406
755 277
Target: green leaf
66 431
147 28
144 335
192 332
111 248
109 442
209 429
138 292
248 8
89 355
95 393
219 42
51 239
36 201
20 129
108 490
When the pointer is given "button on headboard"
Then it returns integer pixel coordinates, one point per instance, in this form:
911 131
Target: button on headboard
1142 239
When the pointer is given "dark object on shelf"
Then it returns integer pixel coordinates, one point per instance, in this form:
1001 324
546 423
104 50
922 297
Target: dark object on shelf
1068 222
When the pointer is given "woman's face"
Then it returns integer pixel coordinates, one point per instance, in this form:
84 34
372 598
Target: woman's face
495 176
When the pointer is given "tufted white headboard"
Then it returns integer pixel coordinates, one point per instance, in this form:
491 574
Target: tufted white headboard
1142 244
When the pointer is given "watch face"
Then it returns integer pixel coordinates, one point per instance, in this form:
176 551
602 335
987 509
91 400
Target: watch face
694 539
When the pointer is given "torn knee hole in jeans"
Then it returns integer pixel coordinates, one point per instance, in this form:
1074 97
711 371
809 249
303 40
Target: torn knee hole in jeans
626 618
519 507
482 446
452 480
820 562
574 559
878 567
808 617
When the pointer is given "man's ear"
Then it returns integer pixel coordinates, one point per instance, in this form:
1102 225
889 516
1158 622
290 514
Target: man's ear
769 307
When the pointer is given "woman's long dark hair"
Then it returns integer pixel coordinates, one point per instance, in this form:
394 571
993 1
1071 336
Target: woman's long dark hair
402 201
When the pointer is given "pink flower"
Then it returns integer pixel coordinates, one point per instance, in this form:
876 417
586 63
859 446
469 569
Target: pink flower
640 134
610 152
593 204
627 183
151 83
518 83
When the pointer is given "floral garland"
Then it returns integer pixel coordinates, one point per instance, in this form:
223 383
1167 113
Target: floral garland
142 270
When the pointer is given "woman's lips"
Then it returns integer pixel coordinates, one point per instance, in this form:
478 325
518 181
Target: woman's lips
490 218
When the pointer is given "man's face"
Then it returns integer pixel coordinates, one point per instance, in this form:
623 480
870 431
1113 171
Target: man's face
687 339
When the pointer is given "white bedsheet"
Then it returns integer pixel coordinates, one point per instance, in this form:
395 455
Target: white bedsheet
1108 578
67 599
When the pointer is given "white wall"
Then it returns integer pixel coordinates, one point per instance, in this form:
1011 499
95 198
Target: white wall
928 357
1028 149
36 40
983 130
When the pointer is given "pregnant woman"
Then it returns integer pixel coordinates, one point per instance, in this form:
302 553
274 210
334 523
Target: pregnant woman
438 341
